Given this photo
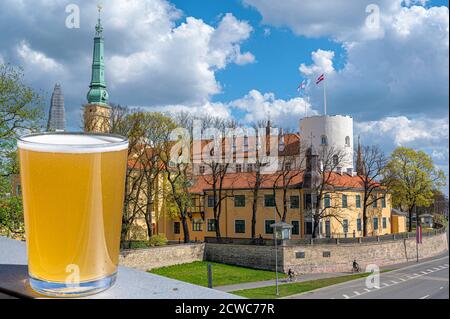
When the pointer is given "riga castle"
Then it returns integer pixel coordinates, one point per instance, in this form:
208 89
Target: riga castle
316 133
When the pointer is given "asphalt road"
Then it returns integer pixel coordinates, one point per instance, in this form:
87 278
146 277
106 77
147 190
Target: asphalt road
427 280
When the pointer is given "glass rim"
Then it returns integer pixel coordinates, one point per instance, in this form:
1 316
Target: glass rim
100 147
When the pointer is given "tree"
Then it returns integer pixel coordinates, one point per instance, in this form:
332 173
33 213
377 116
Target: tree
412 177
371 164
21 112
286 175
258 176
176 163
320 182
128 123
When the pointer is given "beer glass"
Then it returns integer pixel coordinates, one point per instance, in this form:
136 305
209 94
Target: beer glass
73 194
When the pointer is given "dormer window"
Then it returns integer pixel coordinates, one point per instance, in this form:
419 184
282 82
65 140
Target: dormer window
324 140
347 141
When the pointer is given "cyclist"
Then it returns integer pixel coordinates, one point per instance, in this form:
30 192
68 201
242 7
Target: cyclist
355 266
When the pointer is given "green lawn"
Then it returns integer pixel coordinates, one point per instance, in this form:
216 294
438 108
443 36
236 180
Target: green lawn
295 288
196 273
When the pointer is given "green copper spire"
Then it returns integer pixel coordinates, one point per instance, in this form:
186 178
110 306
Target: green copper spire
98 93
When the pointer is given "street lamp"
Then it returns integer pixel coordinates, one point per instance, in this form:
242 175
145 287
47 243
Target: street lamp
281 231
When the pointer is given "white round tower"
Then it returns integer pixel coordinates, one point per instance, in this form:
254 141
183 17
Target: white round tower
335 131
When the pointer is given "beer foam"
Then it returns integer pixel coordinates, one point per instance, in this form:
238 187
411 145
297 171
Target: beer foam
72 143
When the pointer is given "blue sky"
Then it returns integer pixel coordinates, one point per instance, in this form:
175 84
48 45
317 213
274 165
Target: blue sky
243 59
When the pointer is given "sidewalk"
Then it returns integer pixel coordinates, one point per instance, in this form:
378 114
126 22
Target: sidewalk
308 277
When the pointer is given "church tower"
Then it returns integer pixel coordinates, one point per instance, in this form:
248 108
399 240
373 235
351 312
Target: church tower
360 168
97 112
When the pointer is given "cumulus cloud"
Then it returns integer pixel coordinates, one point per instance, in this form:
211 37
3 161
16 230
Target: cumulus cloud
404 131
322 63
154 54
257 106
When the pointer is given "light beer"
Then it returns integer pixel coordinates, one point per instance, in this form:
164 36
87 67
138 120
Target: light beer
73 193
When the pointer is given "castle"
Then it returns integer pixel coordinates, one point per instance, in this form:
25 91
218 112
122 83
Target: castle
238 205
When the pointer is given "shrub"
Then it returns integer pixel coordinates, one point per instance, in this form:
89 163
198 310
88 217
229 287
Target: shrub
157 240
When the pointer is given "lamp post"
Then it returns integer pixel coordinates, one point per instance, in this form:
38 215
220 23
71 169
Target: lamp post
283 231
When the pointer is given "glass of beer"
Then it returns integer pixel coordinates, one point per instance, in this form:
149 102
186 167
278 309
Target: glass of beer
73 194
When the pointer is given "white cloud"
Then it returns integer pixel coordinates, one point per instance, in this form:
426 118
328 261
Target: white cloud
404 131
154 55
322 63
257 106
329 18
37 59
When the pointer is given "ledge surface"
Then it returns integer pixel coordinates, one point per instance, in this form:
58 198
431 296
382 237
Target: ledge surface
130 284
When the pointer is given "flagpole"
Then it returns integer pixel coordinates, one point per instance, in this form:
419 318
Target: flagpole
325 96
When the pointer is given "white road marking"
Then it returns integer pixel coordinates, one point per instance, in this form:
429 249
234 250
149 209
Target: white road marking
368 290
441 288
394 282
345 296
402 279
356 293
416 275
385 284
435 268
425 297
423 272
430 270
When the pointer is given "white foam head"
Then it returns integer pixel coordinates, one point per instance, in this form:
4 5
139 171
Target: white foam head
72 143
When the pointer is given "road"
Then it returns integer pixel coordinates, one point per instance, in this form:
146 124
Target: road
427 280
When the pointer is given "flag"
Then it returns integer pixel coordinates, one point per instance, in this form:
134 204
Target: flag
303 86
419 234
320 78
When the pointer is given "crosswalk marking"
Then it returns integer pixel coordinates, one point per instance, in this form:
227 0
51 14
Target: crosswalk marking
345 296
356 293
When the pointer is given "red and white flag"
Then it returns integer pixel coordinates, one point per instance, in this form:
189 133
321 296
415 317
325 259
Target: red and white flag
419 234
320 79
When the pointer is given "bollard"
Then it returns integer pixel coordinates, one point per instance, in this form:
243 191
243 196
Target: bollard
210 279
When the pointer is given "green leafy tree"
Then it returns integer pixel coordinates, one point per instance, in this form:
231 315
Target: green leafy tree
412 177
21 112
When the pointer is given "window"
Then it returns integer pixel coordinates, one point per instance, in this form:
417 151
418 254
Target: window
310 201
239 201
324 140
176 228
308 228
210 201
269 200
375 223
295 202
327 201
239 226
336 160
347 141
197 225
295 227
344 201
383 202
358 201
287 166
358 224
269 230
202 169
238 168
249 168
345 226
375 202
211 225
384 222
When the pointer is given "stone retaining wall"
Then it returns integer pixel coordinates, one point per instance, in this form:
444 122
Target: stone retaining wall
150 258
327 257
